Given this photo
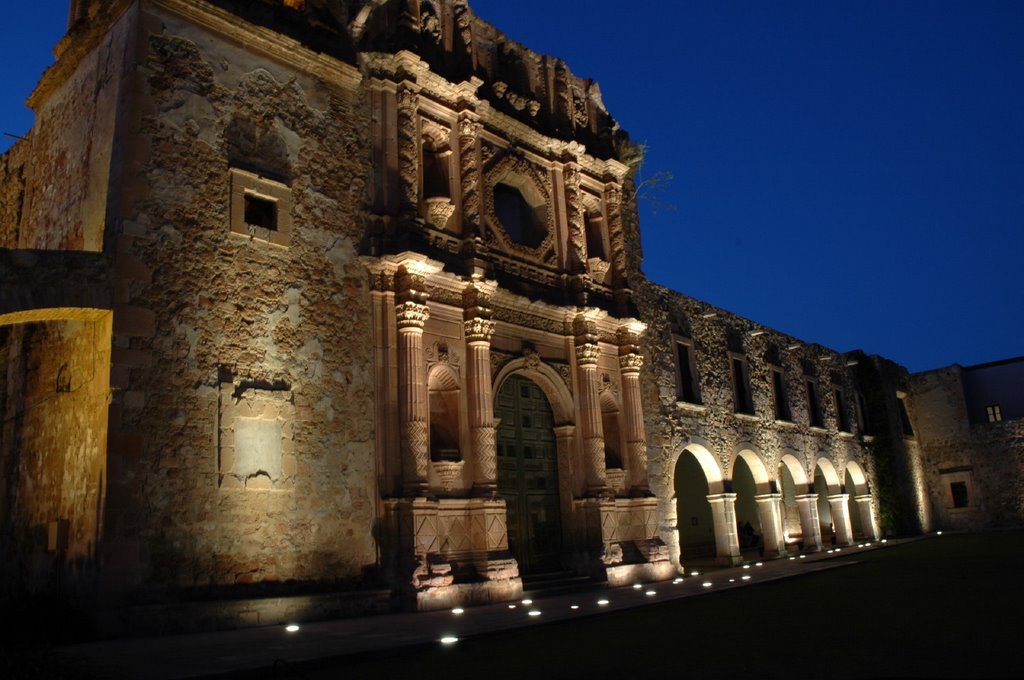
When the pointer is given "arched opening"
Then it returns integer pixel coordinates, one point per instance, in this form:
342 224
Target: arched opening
792 482
748 522
612 434
694 519
855 523
528 474
443 396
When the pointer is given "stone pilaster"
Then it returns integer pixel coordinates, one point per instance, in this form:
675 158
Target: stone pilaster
469 172
616 237
574 216
408 149
839 505
809 524
770 516
590 418
630 362
412 396
867 516
478 332
723 518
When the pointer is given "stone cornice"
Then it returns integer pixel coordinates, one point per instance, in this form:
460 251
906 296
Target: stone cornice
271 43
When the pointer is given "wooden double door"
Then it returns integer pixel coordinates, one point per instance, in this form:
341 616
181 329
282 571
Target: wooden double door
528 475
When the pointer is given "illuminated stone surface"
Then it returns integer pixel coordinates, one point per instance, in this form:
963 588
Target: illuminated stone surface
262 423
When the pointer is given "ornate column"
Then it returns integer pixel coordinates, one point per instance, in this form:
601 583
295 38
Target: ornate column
630 362
723 517
411 314
587 354
478 330
807 503
867 516
470 177
408 149
769 514
839 504
616 237
577 245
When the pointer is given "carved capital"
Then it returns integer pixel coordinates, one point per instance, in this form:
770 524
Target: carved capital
479 329
469 127
411 315
587 354
631 363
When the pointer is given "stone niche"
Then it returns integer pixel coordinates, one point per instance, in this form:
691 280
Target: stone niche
255 449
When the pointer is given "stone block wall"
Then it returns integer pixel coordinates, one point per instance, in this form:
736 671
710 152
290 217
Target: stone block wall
714 338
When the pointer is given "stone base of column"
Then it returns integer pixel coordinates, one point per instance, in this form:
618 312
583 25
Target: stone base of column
641 491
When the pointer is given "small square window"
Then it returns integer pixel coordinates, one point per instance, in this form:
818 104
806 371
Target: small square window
994 413
260 208
260 212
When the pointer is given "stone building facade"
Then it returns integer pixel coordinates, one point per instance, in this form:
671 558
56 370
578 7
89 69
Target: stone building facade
316 308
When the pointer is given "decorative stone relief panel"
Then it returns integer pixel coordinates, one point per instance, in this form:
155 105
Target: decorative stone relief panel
516 171
255 448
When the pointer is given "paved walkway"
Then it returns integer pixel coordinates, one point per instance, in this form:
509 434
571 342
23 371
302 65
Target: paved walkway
243 651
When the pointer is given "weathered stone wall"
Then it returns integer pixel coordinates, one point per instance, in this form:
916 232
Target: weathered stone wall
72 146
202 311
55 382
988 458
713 424
12 192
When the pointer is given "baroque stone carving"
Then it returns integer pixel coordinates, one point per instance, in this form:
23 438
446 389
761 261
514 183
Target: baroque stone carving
631 363
479 330
513 165
408 147
411 315
469 173
574 209
587 354
440 353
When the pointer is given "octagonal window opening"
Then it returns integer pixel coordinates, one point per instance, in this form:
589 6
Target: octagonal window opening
524 223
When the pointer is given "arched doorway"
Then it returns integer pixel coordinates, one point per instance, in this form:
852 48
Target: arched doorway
528 474
748 521
693 512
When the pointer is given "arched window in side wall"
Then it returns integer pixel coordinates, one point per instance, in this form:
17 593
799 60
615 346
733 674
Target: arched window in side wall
610 427
443 395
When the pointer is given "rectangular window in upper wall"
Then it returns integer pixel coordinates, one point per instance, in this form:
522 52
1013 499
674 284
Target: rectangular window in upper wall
742 401
842 422
781 399
994 413
687 385
814 418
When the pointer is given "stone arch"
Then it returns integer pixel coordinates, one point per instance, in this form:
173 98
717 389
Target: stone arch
708 463
762 479
549 382
828 472
856 474
796 470
443 395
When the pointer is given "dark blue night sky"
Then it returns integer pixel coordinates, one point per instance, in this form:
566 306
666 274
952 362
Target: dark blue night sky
848 173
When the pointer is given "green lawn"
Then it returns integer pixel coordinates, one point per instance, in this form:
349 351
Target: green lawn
948 606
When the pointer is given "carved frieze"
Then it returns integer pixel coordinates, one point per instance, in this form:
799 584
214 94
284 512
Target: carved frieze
631 363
